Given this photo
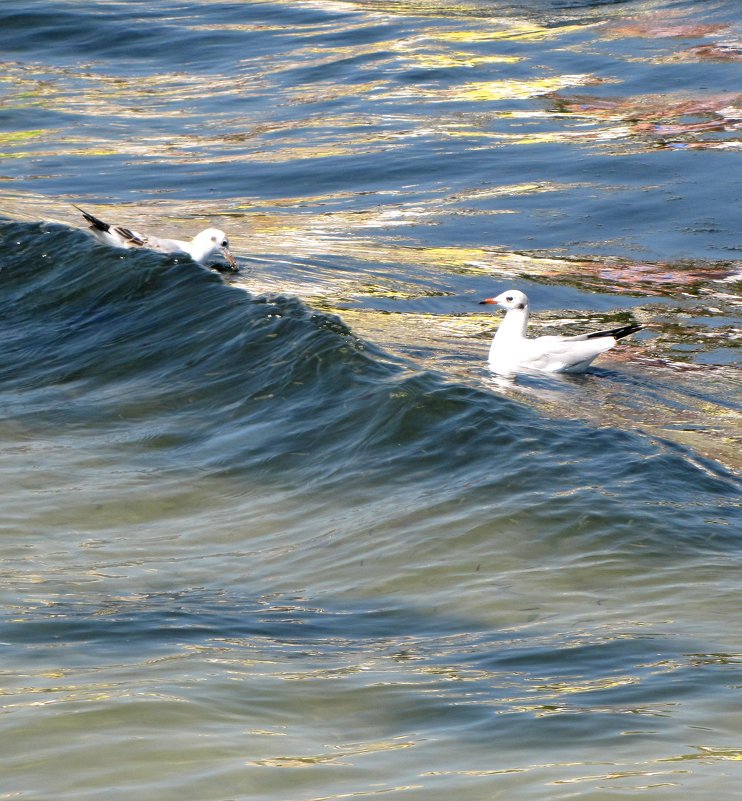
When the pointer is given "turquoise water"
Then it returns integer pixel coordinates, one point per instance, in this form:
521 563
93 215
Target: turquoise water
281 536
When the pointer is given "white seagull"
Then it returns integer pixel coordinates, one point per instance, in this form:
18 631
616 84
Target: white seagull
511 350
201 248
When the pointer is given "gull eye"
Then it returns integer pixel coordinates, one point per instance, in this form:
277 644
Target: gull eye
509 298
225 244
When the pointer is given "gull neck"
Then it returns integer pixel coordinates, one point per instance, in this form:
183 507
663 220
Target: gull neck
513 326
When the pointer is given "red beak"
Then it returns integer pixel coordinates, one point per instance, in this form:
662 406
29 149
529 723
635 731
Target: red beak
487 300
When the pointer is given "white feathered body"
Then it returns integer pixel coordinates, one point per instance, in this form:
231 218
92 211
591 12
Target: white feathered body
204 246
512 350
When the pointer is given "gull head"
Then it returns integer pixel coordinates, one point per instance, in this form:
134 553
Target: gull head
209 243
510 300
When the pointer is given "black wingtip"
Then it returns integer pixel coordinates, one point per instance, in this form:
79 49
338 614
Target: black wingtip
627 330
94 221
617 333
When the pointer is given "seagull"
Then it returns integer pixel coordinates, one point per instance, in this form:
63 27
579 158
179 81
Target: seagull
201 248
511 350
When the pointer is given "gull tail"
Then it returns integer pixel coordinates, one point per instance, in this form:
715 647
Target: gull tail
617 333
95 223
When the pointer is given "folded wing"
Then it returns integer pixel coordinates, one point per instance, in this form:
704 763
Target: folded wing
571 354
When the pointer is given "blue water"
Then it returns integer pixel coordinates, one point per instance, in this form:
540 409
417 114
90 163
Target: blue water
281 535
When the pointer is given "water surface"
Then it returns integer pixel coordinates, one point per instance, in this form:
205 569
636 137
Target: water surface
282 536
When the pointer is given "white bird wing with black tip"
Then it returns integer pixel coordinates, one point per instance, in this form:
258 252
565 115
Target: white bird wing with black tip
611 333
120 237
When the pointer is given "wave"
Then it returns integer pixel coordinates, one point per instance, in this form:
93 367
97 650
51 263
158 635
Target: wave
186 373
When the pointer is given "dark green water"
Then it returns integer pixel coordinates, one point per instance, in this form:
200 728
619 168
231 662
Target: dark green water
281 536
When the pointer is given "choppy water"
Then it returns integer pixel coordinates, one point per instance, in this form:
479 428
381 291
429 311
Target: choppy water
282 537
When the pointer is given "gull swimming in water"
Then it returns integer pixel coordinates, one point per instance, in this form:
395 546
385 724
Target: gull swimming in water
203 247
511 350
